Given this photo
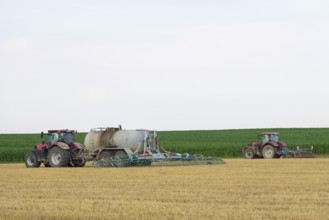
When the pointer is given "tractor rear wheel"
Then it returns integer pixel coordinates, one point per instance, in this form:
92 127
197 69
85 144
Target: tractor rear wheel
31 160
249 153
268 152
58 157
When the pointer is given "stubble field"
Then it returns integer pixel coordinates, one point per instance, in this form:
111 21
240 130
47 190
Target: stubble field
241 189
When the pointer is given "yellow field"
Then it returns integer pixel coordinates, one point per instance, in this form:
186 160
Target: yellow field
241 189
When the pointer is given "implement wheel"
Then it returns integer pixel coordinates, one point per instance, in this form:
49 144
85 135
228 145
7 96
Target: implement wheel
268 152
31 160
249 153
105 155
121 155
105 159
120 159
58 157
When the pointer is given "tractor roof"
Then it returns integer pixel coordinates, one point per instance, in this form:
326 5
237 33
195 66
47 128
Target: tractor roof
267 133
62 131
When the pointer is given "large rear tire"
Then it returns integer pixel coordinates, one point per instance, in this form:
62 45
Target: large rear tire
249 153
58 157
31 160
269 152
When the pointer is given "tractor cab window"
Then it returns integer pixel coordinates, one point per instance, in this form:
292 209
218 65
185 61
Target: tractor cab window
274 138
52 138
265 138
67 138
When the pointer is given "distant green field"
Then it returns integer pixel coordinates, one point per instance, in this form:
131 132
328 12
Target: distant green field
227 143
222 143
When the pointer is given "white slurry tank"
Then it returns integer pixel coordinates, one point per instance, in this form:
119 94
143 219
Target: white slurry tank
136 140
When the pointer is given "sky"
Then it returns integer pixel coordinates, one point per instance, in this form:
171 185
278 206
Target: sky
164 65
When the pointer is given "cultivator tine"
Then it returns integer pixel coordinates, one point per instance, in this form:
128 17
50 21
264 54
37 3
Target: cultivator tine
304 155
298 154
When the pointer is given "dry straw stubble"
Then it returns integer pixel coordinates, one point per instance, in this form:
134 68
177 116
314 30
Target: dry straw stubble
241 189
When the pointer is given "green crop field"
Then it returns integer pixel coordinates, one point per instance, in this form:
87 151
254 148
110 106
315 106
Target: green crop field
227 143
222 143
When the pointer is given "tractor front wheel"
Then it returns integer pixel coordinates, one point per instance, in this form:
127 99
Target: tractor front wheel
249 153
58 157
268 152
31 160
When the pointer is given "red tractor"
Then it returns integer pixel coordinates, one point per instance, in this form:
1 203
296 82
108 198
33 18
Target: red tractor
59 150
269 146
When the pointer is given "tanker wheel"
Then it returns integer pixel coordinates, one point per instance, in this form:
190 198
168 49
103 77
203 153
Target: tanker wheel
58 157
120 159
249 153
268 152
104 159
121 155
31 160
105 155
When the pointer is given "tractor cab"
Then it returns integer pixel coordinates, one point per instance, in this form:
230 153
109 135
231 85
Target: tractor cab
267 137
66 136
52 138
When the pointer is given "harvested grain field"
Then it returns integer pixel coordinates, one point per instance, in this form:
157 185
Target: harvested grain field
241 189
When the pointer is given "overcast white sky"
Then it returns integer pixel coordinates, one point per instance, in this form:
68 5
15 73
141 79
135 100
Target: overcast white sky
165 65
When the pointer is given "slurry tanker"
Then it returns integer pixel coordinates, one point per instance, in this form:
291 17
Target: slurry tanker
109 147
